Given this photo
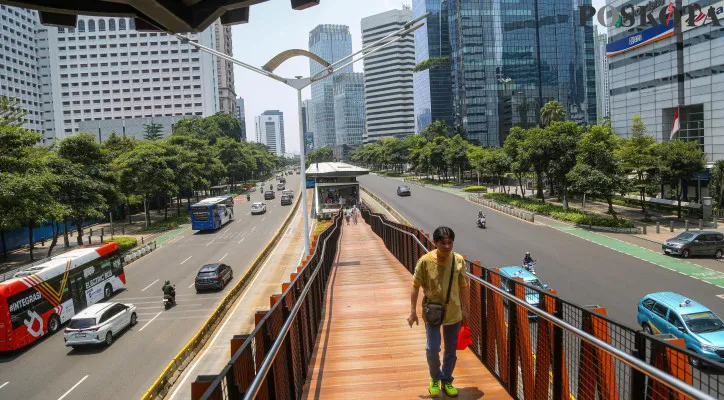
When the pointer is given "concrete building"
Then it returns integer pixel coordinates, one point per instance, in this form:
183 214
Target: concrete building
657 70
270 130
349 108
241 114
104 69
602 89
19 58
332 43
389 97
132 127
227 93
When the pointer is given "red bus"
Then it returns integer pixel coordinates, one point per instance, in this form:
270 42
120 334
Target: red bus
37 304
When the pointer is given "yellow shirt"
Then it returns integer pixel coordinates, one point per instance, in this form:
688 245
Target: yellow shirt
434 277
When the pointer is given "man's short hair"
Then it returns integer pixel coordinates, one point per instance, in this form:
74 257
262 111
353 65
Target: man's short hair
443 232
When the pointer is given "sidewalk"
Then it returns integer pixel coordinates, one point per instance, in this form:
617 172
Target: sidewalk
283 261
365 349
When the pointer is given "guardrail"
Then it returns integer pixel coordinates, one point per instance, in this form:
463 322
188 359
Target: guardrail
184 357
557 349
272 362
132 256
479 199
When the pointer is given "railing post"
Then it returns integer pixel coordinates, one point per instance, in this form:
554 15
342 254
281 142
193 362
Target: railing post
558 354
513 344
484 319
658 227
286 311
268 343
638 379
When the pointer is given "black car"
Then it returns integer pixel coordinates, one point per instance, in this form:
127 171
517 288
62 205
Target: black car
269 194
286 200
695 244
213 276
403 191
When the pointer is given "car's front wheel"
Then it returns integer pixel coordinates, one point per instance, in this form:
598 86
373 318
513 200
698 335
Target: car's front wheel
686 253
648 329
134 319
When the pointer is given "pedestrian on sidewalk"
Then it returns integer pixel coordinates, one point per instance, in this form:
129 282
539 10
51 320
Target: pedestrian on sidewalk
441 273
354 214
347 215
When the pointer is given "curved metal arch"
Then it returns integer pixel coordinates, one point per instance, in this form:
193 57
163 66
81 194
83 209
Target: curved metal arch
285 55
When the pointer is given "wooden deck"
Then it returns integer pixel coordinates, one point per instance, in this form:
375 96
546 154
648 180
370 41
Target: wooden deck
365 348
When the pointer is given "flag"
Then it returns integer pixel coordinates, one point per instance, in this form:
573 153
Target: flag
675 126
670 12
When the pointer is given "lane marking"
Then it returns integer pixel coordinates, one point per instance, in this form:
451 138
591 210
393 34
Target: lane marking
224 256
263 218
252 229
191 285
186 259
3 385
228 318
144 289
207 245
721 296
156 297
71 389
144 326
242 239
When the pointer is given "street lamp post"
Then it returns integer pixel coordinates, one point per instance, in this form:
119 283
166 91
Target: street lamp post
300 83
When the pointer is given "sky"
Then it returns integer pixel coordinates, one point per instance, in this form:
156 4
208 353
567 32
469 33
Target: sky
274 27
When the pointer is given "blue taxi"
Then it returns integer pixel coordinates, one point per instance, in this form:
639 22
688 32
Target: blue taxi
672 313
531 296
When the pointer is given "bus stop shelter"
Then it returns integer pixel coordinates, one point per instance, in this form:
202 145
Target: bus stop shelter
335 186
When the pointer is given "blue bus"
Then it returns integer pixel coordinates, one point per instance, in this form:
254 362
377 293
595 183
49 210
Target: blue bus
212 213
310 183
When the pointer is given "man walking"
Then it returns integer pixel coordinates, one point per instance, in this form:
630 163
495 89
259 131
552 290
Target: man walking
442 275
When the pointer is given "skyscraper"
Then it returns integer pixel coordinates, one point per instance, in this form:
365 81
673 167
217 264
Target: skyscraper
270 130
332 43
432 86
241 114
307 120
349 108
602 90
505 66
225 69
106 70
19 73
389 99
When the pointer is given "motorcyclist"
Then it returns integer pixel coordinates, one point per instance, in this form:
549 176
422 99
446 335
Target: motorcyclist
169 291
481 217
527 260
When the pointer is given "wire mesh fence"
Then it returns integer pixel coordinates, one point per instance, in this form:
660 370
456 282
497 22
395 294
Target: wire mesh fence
554 349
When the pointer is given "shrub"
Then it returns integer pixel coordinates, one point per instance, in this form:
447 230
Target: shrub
124 242
475 189
167 224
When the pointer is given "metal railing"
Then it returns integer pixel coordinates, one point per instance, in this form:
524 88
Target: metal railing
556 349
272 361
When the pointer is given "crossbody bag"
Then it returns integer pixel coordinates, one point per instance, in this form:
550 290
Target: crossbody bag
435 312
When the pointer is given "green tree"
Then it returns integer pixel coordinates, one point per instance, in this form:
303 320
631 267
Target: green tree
415 144
493 161
597 171
395 153
152 131
321 155
519 165
638 157
717 182
551 112
116 145
680 160
11 113
456 154
435 130
533 151
561 151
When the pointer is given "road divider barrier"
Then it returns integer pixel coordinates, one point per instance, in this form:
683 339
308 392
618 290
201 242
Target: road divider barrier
175 368
386 206
541 346
524 215
134 255
272 361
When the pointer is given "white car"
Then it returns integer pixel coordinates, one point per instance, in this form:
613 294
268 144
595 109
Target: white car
99 323
288 192
258 208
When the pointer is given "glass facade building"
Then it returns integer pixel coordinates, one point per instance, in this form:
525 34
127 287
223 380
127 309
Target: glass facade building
332 43
510 58
349 108
432 88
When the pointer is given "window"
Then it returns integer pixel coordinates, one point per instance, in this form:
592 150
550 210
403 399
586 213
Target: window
674 320
660 310
111 25
122 25
91 25
81 26
101 25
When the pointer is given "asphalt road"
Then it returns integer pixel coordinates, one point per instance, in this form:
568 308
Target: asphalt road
581 271
126 369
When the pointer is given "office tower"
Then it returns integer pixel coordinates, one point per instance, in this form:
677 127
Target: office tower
331 43
270 130
349 108
389 97
602 90
432 86
227 93
19 72
307 121
105 73
504 68
241 114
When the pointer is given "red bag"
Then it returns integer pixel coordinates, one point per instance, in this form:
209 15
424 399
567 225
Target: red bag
464 339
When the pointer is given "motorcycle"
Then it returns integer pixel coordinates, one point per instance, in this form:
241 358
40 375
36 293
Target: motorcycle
168 301
530 267
481 222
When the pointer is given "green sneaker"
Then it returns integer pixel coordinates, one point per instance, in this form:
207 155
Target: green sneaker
434 388
449 389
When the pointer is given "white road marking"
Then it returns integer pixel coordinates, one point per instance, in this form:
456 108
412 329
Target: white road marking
248 213
209 345
144 326
242 239
186 259
252 229
721 296
191 285
224 256
262 220
71 389
3 385
144 289
207 245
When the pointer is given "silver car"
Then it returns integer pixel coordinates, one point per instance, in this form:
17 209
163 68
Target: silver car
99 323
258 208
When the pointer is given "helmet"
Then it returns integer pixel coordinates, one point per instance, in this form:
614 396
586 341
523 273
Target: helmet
167 282
527 253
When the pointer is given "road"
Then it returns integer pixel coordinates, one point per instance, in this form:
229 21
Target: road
126 369
583 272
